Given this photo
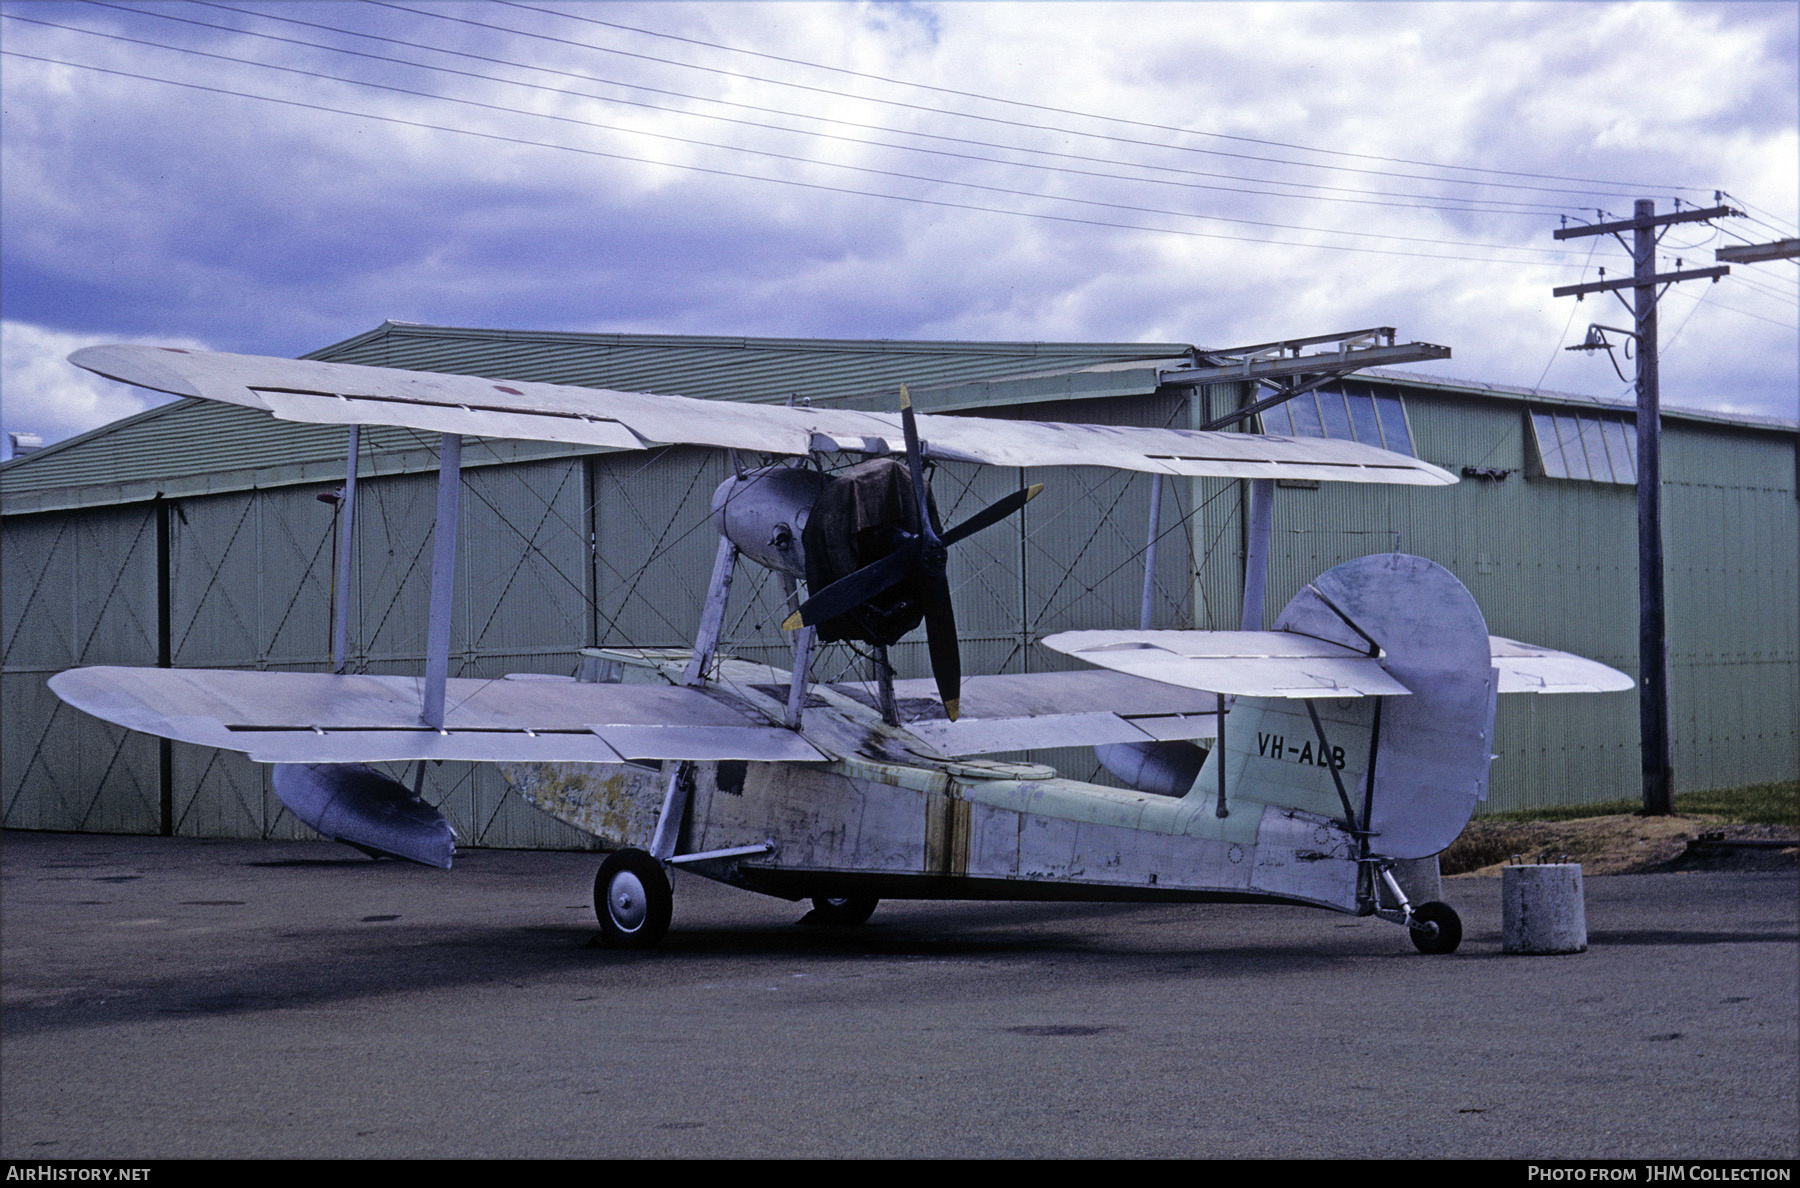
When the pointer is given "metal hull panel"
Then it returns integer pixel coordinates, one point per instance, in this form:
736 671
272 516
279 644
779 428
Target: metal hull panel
955 832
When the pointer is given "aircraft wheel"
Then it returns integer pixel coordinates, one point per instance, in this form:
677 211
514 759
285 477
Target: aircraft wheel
1436 928
632 900
841 909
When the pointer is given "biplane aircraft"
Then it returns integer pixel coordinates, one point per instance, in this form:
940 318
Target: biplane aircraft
1294 765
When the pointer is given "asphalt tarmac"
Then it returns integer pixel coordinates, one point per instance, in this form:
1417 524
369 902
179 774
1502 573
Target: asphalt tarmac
176 998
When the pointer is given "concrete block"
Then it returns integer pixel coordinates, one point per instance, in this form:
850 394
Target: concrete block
1543 909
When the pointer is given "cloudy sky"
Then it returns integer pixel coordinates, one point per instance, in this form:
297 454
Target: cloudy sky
270 178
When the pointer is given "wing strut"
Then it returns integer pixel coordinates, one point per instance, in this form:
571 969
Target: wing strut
1256 573
1256 551
674 808
796 702
1369 776
340 628
1145 609
1219 809
1337 781
712 616
803 646
443 579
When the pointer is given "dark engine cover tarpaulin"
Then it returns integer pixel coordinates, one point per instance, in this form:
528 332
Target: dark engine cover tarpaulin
858 519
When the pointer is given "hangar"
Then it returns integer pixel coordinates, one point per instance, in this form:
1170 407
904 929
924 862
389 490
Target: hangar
201 535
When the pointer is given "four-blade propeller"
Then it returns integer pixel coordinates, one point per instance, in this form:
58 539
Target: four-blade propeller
918 557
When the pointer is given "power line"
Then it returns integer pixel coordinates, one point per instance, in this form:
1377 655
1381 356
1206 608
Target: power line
819 186
1491 206
1786 228
1511 206
727 147
1717 304
967 115
1739 275
1556 351
1067 111
897 174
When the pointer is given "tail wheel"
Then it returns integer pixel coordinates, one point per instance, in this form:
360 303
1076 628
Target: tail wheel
1436 928
841 909
632 900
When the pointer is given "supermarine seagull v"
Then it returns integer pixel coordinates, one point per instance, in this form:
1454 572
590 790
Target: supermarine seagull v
1298 764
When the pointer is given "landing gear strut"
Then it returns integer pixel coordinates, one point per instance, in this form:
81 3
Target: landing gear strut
1435 927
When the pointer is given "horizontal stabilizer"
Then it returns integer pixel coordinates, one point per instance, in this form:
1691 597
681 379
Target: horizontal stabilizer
342 393
1528 668
1236 663
297 717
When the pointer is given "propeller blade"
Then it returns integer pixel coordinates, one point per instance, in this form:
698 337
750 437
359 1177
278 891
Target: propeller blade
993 513
852 590
915 463
940 638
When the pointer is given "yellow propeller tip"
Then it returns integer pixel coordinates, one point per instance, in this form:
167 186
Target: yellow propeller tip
953 707
905 400
1033 491
792 622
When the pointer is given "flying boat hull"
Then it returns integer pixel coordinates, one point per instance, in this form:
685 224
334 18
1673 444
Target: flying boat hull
936 828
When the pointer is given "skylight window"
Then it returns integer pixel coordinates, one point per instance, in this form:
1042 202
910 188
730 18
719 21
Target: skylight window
1349 410
1588 446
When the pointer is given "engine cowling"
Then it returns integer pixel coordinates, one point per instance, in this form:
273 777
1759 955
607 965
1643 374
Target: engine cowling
821 527
765 512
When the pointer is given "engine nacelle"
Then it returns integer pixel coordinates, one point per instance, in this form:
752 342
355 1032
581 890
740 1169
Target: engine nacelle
822 528
764 514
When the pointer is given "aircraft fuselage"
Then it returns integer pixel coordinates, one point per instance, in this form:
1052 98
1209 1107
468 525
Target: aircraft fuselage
888 821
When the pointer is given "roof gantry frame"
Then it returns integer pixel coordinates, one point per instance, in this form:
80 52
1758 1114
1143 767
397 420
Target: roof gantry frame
1283 367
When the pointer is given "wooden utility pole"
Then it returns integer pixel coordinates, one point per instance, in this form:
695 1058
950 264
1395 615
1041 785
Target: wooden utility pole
1653 648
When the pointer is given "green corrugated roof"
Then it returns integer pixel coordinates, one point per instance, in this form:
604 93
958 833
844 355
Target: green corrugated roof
755 369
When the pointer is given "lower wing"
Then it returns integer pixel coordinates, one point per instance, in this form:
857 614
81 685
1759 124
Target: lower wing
296 717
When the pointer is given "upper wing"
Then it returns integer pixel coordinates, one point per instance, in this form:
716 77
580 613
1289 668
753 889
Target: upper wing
1023 711
342 393
1285 664
1240 663
299 717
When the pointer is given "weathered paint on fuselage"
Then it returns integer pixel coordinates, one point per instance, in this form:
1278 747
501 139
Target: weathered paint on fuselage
929 827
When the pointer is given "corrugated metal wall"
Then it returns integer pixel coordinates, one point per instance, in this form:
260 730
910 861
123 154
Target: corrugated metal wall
556 553
77 589
1554 562
250 587
1732 597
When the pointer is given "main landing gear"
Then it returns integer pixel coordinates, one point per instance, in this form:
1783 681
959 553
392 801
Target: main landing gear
632 900
840 909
